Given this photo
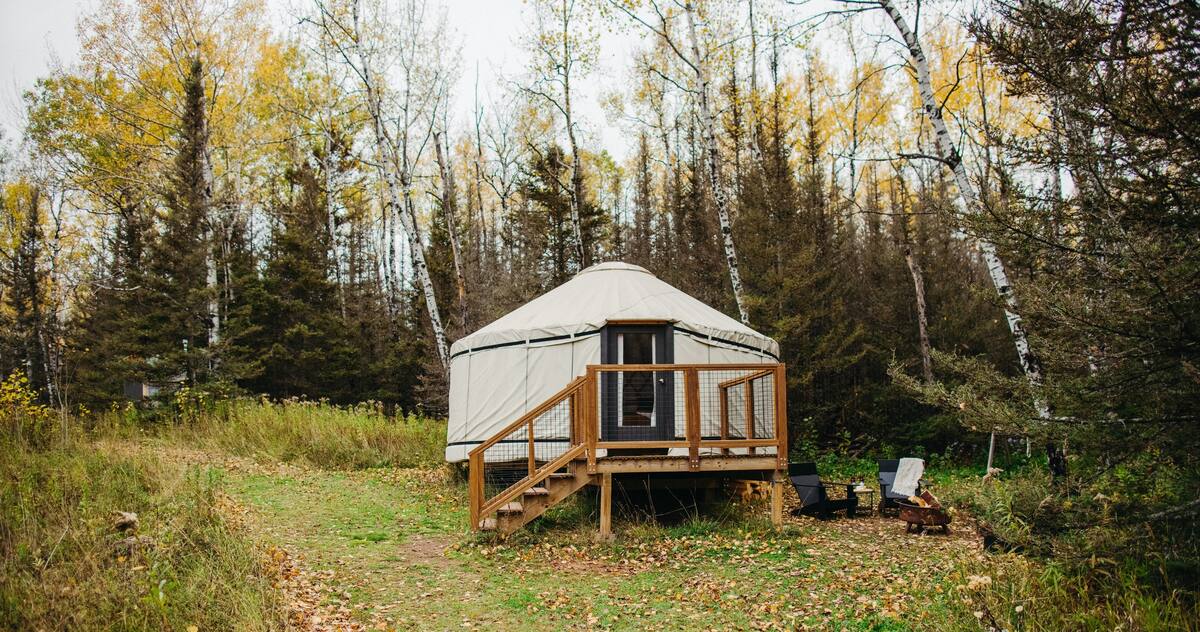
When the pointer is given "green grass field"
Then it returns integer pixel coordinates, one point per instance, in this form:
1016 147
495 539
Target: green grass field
350 521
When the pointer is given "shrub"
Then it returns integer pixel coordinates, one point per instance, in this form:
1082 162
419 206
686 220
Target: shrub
24 420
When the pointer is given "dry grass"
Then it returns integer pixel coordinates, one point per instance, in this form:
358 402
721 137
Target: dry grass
314 433
63 567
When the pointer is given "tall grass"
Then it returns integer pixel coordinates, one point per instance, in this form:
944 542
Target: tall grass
63 566
1016 593
316 433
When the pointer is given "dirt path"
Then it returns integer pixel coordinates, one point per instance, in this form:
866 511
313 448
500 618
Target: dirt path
386 549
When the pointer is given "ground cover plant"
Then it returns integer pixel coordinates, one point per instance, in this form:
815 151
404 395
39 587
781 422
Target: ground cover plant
189 563
287 535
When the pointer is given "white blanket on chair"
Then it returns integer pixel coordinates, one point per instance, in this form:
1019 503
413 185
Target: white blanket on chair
908 476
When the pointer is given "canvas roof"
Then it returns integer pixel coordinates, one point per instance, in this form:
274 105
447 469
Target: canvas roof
610 292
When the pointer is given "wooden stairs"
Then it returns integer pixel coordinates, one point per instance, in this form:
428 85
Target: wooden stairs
536 500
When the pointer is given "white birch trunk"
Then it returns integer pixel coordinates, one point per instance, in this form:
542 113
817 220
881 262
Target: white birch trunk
448 208
398 184
331 222
582 252
918 278
712 153
210 262
950 156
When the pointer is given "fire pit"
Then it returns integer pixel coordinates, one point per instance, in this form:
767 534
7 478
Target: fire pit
920 518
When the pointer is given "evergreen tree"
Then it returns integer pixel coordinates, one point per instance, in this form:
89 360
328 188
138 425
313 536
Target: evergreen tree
175 323
296 329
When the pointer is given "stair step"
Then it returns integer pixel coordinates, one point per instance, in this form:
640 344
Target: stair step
487 524
559 476
537 491
511 508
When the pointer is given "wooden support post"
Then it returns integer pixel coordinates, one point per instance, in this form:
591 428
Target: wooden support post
781 420
591 418
532 453
573 415
691 392
475 488
724 416
749 413
777 499
606 506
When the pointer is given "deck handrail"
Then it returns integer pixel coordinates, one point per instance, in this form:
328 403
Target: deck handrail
583 441
480 506
537 411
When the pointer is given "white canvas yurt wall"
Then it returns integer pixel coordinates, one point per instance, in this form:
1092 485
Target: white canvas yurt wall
517 362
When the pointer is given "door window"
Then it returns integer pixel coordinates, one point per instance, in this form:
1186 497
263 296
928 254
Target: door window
635 390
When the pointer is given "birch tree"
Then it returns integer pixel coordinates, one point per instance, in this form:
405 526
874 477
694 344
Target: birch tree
563 51
697 65
949 155
449 199
356 40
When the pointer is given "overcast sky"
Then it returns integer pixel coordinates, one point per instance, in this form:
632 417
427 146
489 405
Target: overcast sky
34 33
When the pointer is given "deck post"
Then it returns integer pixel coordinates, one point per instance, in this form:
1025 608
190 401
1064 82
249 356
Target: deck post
781 420
606 506
475 486
777 498
724 416
591 418
749 387
691 393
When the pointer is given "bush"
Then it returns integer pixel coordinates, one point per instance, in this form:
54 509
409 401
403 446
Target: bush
24 420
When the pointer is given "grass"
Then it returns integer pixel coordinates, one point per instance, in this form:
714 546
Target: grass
395 541
63 569
376 525
314 433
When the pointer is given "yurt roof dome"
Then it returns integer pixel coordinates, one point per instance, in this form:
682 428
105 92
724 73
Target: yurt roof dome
605 292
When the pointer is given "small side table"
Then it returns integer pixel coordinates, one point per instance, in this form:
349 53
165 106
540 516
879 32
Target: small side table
867 494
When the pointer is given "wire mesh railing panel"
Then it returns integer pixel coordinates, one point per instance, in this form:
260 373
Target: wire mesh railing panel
714 409
506 462
764 406
640 405
652 404
735 413
552 432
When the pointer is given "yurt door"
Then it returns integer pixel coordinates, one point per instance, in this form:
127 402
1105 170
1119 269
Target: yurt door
637 406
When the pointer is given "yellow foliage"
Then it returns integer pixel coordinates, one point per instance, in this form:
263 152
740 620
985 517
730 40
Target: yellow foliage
21 416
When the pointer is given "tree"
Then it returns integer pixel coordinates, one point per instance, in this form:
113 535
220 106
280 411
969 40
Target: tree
563 50
698 66
354 37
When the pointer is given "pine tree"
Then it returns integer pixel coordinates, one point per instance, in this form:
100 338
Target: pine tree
302 343
175 323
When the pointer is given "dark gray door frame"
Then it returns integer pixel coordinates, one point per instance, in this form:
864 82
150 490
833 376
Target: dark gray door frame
664 385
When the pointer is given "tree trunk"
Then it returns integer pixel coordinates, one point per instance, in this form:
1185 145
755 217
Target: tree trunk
331 223
713 160
918 278
582 250
970 200
210 259
398 183
448 208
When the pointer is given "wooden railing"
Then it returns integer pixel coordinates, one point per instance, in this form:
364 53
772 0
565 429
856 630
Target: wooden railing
708 407
507 463
724 407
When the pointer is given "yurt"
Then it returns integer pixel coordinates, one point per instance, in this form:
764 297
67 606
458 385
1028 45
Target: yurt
609 313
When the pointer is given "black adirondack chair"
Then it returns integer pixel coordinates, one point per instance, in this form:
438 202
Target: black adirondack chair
814 494
887 476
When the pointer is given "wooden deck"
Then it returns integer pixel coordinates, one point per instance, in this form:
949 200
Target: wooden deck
556 447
